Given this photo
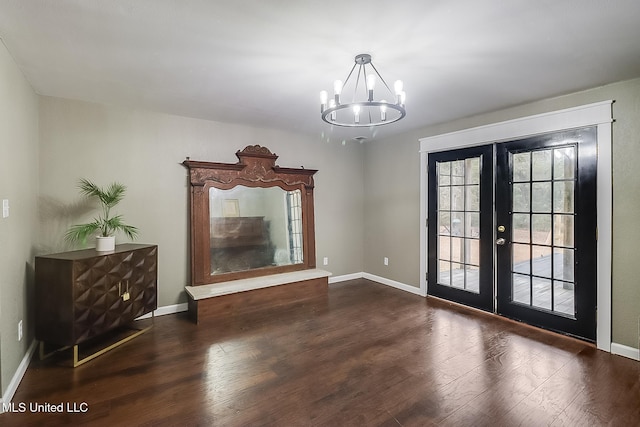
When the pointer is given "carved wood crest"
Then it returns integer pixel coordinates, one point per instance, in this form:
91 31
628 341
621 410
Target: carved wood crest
255 164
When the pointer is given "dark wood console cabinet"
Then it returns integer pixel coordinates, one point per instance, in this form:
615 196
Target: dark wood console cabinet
82 294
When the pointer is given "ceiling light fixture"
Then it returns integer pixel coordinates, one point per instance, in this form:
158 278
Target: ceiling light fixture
363 110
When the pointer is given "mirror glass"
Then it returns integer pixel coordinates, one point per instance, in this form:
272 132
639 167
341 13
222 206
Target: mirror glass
254 228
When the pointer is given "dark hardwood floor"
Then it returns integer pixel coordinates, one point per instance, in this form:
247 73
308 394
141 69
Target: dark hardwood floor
365 355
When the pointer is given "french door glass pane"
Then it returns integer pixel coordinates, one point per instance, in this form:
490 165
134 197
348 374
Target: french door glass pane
472 278
521 288
541 197
457 172
541 165
541 292
472 170
444 273
444 248
472 252
563 297
543 232
457 249
444 175
564 163
563 264
521 167
522 197
444 223
541 260
459 223
563 197
563 226
457 198
444 197
521 228
473 198
457 275
472 224
521 258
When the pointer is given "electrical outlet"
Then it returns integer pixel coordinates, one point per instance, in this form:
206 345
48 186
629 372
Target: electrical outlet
386 261
20 330
325 261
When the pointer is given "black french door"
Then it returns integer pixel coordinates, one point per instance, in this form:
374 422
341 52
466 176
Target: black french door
543 239
460 263
546 214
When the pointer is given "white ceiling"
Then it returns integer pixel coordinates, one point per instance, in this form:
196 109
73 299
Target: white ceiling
263 62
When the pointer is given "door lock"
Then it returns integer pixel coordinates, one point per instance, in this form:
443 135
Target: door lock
500 241
501 228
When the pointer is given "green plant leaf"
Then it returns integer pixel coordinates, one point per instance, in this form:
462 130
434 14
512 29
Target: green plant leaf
80 233
106 225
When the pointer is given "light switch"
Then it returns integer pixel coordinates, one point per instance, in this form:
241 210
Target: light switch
5 208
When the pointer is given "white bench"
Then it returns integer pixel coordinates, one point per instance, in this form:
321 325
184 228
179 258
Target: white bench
224 299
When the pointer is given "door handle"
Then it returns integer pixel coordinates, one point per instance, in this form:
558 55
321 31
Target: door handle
500 241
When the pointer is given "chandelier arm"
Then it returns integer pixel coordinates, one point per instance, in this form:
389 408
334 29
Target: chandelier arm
349 76
355 90
383 81
363 67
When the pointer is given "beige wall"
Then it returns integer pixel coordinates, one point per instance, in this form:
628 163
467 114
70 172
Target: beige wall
144 150
392 199
18 184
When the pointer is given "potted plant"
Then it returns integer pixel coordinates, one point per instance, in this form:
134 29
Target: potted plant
105 225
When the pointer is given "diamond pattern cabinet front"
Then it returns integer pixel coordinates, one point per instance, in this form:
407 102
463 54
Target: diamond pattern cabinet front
82 294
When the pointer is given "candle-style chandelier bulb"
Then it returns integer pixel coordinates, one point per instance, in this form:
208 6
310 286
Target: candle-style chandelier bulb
371 83
337 90
323 100
332 104
356 113
397 86
383 111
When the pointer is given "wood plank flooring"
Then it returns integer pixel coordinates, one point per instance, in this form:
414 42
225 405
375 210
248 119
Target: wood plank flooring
366 354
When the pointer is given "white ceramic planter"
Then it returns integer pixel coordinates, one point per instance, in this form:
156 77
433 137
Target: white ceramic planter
105 244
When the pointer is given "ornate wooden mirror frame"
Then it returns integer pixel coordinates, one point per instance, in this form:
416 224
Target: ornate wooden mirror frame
256 168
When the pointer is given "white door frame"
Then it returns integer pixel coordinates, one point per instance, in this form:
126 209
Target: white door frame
598 114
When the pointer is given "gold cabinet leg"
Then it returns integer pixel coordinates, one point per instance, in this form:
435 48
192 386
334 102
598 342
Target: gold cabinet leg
77 361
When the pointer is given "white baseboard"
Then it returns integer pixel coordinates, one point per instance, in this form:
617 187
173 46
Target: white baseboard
167 309
394 284
345 277
377 279
626 351
17 377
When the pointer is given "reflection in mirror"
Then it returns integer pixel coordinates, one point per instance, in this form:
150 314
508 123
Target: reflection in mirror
254 228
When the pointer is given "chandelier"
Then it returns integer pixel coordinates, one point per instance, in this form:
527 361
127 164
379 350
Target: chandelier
362 110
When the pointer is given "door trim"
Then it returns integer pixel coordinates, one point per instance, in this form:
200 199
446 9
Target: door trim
598 114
